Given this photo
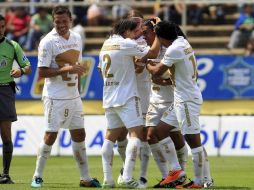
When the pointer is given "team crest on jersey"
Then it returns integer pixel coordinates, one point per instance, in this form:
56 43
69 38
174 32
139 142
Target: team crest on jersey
3 63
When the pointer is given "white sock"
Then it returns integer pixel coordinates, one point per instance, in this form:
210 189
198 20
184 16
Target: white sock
43 154
107 159
79 153
198 163
182 155
169 150
121 148
206 168
144 158
131 155
159 159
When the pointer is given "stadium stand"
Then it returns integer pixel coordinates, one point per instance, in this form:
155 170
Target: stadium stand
206 38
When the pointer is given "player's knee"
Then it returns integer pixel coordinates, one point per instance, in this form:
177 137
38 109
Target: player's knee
50 137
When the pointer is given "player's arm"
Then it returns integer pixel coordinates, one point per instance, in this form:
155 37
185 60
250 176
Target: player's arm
156 69
153 51
47 72
23 62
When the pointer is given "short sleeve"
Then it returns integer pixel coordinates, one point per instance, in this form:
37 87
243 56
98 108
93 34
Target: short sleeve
79 41
44 53
20 56
133 49
171 57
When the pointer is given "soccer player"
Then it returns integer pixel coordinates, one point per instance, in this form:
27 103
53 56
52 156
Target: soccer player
121 98
161 98
143 85
180 59
60 52
9 51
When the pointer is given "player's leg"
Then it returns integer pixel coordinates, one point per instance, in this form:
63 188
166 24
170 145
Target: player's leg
107 155
153 116
188 117
181 148
115 131
208 181
75 122
122 142
5 128
144 155
144 152
131 116
7 116
169 122
52 118
43 154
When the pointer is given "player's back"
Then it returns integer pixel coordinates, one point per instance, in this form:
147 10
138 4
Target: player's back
116 64
184 71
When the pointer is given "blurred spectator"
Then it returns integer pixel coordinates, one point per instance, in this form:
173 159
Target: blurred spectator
95 15
197 12
41 23
250 48
171 13
17 25
78 28
80 12
120 11
243 30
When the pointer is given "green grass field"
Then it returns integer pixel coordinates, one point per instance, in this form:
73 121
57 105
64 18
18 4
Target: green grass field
61 172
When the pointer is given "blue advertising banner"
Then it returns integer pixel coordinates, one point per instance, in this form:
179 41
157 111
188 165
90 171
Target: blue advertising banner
226 77
220 78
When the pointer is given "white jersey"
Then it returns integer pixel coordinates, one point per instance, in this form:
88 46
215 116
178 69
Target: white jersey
144 76
117 66
159 93
180 57
56 52
143 81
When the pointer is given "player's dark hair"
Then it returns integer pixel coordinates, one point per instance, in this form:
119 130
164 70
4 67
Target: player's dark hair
124 25
148 23
59 10
166 30
1 17
134 13
180 32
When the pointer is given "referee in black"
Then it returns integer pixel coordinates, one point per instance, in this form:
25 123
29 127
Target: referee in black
9 51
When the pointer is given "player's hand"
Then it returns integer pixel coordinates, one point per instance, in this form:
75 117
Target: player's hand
79 69
155 21
16 73
160 81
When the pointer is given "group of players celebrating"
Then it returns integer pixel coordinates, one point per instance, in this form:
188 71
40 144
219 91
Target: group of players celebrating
151 94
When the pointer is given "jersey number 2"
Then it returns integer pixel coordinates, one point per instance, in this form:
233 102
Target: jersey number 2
107 60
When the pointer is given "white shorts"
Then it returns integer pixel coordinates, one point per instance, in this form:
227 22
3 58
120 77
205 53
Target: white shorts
155 112
63 114
128 115
186 114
